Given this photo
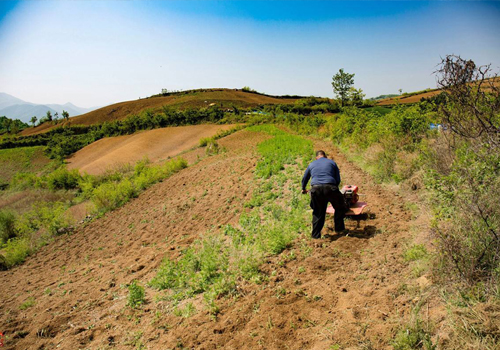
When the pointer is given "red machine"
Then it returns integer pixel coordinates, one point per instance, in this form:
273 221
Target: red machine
351 198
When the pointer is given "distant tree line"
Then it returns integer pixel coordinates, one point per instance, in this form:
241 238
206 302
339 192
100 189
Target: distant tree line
63 141
11 126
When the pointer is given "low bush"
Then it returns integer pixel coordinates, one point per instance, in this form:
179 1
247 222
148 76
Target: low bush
205 140
109 196
7 226
63 178
24 181
16 250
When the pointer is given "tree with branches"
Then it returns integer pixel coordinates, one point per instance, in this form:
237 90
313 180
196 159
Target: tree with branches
342 83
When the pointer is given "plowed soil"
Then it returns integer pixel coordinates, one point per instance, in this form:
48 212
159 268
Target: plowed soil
349 292
158 144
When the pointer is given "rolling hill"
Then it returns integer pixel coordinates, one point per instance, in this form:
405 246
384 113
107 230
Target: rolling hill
226 98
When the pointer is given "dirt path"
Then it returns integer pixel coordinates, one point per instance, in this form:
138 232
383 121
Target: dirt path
158 144
348 292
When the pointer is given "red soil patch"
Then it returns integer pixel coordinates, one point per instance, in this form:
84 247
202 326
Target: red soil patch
351 290
225 98
408 99
158 144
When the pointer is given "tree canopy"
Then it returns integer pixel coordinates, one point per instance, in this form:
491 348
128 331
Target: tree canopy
342 83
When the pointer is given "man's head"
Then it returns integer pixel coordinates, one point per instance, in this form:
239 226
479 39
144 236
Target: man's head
320 154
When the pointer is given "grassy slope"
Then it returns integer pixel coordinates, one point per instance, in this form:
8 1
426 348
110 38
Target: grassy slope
196 99
24 159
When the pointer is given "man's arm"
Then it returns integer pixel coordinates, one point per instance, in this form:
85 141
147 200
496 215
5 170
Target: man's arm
305 179
336 174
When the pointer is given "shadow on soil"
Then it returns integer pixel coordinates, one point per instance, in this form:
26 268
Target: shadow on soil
364 233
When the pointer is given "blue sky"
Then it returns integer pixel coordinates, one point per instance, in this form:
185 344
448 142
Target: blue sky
99 52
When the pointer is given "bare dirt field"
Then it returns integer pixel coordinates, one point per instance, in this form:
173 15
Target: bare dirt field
158 144
348 294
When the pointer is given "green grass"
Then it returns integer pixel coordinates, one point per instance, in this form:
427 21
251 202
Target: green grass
415 252
214 265
23 159
280 150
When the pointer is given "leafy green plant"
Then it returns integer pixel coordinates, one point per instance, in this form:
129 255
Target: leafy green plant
135 295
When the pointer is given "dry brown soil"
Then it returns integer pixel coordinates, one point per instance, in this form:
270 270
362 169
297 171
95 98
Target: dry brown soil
350 291
409 99
156 145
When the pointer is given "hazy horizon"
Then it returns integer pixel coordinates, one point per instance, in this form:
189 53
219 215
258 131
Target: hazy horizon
95 53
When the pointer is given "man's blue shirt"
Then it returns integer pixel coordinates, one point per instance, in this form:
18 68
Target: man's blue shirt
323 171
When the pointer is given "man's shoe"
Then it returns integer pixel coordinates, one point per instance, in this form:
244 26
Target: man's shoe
343 232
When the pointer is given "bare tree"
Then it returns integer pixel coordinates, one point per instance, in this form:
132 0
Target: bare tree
472 99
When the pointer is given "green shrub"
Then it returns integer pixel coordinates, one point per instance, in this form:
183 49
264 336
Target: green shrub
213 147
467 215
206 140
109 196
136 295
24 181
16 250
187 312
48 216
63 178
7 226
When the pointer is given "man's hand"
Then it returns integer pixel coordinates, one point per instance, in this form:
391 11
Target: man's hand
304 191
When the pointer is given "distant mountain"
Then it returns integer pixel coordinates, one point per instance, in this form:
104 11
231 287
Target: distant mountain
15 108
7 100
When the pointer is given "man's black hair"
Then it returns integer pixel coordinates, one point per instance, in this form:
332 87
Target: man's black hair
321 153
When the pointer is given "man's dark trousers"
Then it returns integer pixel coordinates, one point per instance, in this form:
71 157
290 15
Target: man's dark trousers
320 196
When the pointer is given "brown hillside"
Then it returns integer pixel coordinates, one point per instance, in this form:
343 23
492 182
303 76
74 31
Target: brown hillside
416 98
196 99
158 144
350 292
408 99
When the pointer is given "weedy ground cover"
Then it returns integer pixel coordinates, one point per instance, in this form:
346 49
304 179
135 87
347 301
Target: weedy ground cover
22 235
215 264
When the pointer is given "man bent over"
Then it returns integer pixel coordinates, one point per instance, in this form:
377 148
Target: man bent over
324 188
